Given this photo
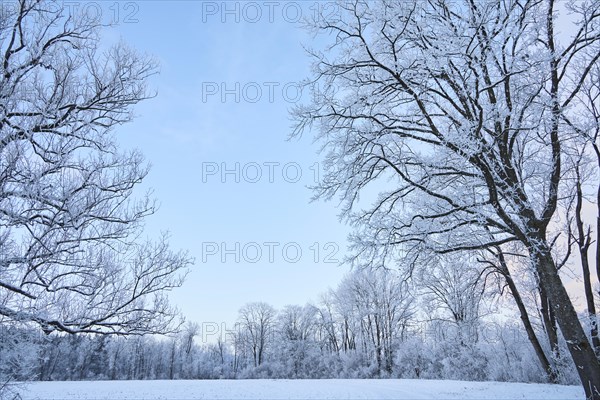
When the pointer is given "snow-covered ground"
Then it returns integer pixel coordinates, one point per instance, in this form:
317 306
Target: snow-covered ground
297 389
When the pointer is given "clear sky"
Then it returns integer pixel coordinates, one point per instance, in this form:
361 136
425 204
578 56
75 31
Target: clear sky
229 74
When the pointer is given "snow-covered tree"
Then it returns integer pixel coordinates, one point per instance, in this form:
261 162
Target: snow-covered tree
453 290
466 108
585 175
296 343
256 326
380 309
70 258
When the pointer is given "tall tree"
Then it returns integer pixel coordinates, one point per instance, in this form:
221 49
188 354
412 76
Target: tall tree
296 345
454 290
70 258
256 323
380 307
464 107
586 155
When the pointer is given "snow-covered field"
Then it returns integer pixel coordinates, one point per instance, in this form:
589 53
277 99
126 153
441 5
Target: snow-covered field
297 389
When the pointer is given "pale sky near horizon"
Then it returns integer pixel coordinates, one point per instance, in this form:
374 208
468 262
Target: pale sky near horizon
228 79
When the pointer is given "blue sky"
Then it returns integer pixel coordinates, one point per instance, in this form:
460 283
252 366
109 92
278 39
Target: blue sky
210 53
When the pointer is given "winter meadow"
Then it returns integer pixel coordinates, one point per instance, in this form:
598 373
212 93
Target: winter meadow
305 200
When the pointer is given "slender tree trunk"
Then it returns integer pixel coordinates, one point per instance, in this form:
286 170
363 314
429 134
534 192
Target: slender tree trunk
378 346
235 357
260 353
586 363
598 238
584 242
172 362
113 372
347 345
221 351
597 152
533 339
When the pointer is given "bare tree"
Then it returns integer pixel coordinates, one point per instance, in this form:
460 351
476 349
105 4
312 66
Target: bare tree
586 188
327 327
454 290
583 239
256 323
380 307
296 323
70 255
464 107
296 339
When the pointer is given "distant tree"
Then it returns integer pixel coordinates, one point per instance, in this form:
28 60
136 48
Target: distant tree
256 323
21 355
466 108
187 352
296 345
454 290
296 322
327 324
381 308
70 258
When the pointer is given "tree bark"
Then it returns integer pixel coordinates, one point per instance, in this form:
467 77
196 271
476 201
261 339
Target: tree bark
549 320
586 363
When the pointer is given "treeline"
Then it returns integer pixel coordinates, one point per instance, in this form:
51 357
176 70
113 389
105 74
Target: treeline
370 326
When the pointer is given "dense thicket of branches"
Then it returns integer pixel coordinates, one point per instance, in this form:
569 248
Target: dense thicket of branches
70 255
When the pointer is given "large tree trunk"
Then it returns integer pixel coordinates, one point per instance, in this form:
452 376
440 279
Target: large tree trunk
586 363
589 295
